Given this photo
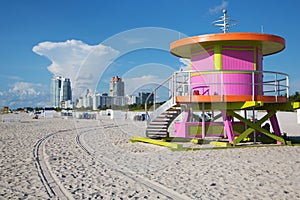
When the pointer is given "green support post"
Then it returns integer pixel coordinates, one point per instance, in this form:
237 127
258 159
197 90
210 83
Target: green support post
254 126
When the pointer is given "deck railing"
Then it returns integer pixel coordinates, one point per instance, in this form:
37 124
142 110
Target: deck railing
266 83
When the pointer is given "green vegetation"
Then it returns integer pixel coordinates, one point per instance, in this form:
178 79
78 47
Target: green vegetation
31 109
136 107
104 107
133 107
295 97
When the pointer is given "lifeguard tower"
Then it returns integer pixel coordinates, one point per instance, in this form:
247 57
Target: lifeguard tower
226 81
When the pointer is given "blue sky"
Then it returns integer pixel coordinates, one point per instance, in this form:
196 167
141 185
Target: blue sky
90 41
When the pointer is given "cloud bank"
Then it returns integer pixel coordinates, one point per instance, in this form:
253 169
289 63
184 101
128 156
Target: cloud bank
186 64
23 94
145 77
69 59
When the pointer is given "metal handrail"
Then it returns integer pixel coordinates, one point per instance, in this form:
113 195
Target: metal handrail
152 93
161 85
182 80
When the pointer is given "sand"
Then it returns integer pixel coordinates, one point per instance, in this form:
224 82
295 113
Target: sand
92 159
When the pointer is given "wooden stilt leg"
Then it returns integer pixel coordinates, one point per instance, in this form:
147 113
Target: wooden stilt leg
228 126
275 125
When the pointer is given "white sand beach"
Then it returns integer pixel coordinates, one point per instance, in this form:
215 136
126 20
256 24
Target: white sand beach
92 159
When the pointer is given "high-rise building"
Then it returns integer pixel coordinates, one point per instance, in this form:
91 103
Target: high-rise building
116 87
143 97
65 91
60 91
55 91
102 101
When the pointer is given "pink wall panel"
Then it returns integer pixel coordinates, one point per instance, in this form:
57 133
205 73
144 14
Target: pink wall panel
207 84
229 84
237 84
237 60
203 61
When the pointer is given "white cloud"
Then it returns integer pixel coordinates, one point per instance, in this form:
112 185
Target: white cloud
23 94
69 59
186 64
217 9
25 88
146 82
146 76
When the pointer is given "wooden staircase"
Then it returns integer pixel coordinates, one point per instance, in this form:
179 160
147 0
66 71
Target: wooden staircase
158 126
159 121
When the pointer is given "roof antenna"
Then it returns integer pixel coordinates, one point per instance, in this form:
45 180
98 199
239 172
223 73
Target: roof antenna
224 22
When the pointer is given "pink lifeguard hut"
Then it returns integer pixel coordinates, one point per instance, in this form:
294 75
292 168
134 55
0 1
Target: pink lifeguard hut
225 83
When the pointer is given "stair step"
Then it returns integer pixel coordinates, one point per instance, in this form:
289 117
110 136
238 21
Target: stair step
162 117
164 128
157 136
157 130
166 116
168 113
172 111
162 123
158 124
156 133
166 120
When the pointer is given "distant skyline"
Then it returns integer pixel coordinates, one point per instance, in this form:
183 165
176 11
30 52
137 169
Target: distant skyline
91 41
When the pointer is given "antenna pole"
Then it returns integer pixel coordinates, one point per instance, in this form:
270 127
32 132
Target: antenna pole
224 23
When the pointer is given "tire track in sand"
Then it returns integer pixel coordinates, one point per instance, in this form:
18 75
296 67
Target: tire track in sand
159 188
